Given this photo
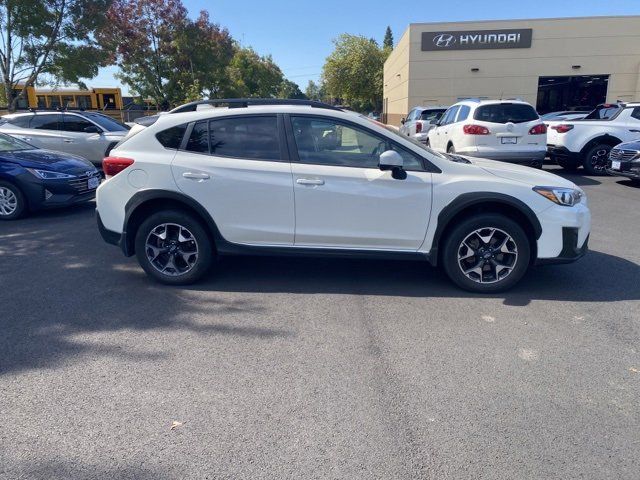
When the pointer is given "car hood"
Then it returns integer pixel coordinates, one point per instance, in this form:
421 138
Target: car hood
633 145
49 160
527 175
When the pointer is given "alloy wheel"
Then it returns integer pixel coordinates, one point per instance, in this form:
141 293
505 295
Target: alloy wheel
8 202
171 249
487 255
599 159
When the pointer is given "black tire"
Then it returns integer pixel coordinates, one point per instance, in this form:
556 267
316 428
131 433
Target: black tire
451 149
13 204
569 165
188 269
596 159
515 260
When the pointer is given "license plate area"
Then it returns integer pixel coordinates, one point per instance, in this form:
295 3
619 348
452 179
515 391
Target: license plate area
509 140
615 165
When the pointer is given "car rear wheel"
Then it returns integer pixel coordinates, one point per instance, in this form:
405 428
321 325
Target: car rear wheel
451 149
595 161
174 248
12 202
486 253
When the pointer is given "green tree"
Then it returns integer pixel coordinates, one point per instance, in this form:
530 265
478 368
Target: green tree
388 39
142 34
48 37
251 75
353 72
289 89
315 91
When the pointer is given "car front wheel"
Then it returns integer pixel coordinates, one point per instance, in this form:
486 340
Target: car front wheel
595 161
486 253
12 202
173 247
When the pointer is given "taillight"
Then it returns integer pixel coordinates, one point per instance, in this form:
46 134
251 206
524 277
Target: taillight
418 127
114 165
562 128
540 129
475 130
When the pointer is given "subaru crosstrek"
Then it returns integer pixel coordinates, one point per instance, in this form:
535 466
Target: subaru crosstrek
305 178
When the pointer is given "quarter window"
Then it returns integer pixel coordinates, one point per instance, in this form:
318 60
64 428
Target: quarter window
172 137
636 113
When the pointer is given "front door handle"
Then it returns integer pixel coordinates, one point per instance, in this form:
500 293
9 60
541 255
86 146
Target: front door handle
196 176
67 140
635 131
309 181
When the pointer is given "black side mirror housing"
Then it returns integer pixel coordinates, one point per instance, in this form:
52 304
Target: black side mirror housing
403 120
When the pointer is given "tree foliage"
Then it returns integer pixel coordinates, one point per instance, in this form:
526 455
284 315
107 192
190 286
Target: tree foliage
353 72
315 91
53 38
388 39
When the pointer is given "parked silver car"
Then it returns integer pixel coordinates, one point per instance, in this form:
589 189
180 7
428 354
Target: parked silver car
90 135
419 121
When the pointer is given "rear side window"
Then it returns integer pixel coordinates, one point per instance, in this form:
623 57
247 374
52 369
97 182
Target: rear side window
199 138
505 113
254 138
172 137
46 122
636 113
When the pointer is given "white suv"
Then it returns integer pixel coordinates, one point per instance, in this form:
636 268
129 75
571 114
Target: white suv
419 121
506 130
304 178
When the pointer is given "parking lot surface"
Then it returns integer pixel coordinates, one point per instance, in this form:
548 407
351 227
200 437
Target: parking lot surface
317 368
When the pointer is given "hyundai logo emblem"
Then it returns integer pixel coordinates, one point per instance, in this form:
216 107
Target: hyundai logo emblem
444 40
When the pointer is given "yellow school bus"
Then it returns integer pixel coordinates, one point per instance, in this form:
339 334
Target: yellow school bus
92 99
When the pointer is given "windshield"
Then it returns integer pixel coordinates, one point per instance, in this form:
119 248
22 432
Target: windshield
108 123
11 144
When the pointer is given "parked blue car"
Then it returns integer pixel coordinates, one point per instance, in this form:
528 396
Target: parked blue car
32 179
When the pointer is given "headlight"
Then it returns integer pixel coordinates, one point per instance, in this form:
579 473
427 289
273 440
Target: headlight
47 175
562 196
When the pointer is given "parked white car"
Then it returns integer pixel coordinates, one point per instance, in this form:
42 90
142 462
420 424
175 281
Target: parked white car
90 135
310 179
589 141
505 130
419 121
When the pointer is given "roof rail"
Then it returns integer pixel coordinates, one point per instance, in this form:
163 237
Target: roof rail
245 102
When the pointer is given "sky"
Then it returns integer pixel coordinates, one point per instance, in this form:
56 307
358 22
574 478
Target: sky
298 34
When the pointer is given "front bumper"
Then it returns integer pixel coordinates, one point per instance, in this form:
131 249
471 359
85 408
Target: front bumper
43 194
565 233
629 169
570 250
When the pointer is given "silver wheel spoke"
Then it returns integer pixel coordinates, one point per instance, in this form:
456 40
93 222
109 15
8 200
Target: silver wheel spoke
492 260
171 249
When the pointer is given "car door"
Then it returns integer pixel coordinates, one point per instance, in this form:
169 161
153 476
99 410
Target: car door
632 124
44 131
237 168
342 198
405 128
446 130
437 135
77 140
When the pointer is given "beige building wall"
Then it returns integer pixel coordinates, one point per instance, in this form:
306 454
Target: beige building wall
600 45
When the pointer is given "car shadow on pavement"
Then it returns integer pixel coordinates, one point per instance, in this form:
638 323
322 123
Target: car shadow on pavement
579 177
598 277
65 295
629 183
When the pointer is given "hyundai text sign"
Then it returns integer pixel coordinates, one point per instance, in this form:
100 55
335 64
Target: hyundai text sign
476 39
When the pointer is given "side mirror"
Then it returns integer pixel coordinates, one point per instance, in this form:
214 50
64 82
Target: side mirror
403 120
392 160
91 129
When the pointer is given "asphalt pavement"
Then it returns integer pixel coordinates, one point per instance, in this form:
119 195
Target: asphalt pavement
317 368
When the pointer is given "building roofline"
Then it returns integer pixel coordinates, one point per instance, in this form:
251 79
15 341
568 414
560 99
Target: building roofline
543 19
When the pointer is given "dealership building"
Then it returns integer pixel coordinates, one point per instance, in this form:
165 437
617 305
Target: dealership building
554 64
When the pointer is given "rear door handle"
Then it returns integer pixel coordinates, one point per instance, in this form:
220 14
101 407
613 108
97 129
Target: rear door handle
309 181
196 176
67 140
635 131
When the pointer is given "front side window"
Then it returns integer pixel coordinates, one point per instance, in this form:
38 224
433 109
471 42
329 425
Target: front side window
328 142
11 144
73 123
450 116
506 113
47 122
